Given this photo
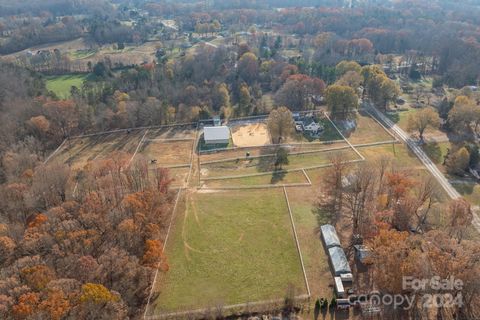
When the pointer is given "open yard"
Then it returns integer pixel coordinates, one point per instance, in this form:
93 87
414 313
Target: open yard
367 131
275 178
266 163
241 153
313 253
229 248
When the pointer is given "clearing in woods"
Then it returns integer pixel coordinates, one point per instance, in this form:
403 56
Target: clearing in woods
62 85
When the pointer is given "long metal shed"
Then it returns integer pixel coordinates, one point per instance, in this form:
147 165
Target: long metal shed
339 261
330 237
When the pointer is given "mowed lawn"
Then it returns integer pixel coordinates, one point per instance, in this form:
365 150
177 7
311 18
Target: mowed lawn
280 177
229 248
61 85
302 202
367 131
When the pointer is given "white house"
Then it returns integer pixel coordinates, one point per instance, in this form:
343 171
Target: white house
216 135
312 126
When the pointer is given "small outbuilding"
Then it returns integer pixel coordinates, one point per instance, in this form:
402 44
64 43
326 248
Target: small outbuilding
216 135
362 253
339 289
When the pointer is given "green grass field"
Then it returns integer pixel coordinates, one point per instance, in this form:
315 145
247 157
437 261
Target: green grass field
229 248
314 257
266 164
61 85
401 117
367 131
82 54
280 177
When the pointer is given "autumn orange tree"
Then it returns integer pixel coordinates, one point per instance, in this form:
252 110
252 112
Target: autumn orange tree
63 115
91 254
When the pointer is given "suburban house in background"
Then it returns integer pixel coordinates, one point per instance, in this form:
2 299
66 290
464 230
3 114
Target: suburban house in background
311 126
216 135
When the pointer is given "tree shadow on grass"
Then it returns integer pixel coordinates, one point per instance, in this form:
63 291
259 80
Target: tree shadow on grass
323 216
434 152
394 116
278 176
465 188
266 161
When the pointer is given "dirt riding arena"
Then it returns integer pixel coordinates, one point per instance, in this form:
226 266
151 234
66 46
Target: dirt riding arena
249 135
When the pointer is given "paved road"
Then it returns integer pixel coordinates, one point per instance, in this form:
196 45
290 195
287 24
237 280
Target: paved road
451 191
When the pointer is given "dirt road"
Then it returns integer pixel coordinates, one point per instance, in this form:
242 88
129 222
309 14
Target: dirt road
405 137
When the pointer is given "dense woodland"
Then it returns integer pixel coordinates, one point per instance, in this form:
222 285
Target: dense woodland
429 28
97 253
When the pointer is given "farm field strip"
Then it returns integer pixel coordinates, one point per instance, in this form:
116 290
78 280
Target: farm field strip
368 130
273 154
172 219
274 172
262 150
297 242
265 165
304 144
276 180
191 124
392 134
